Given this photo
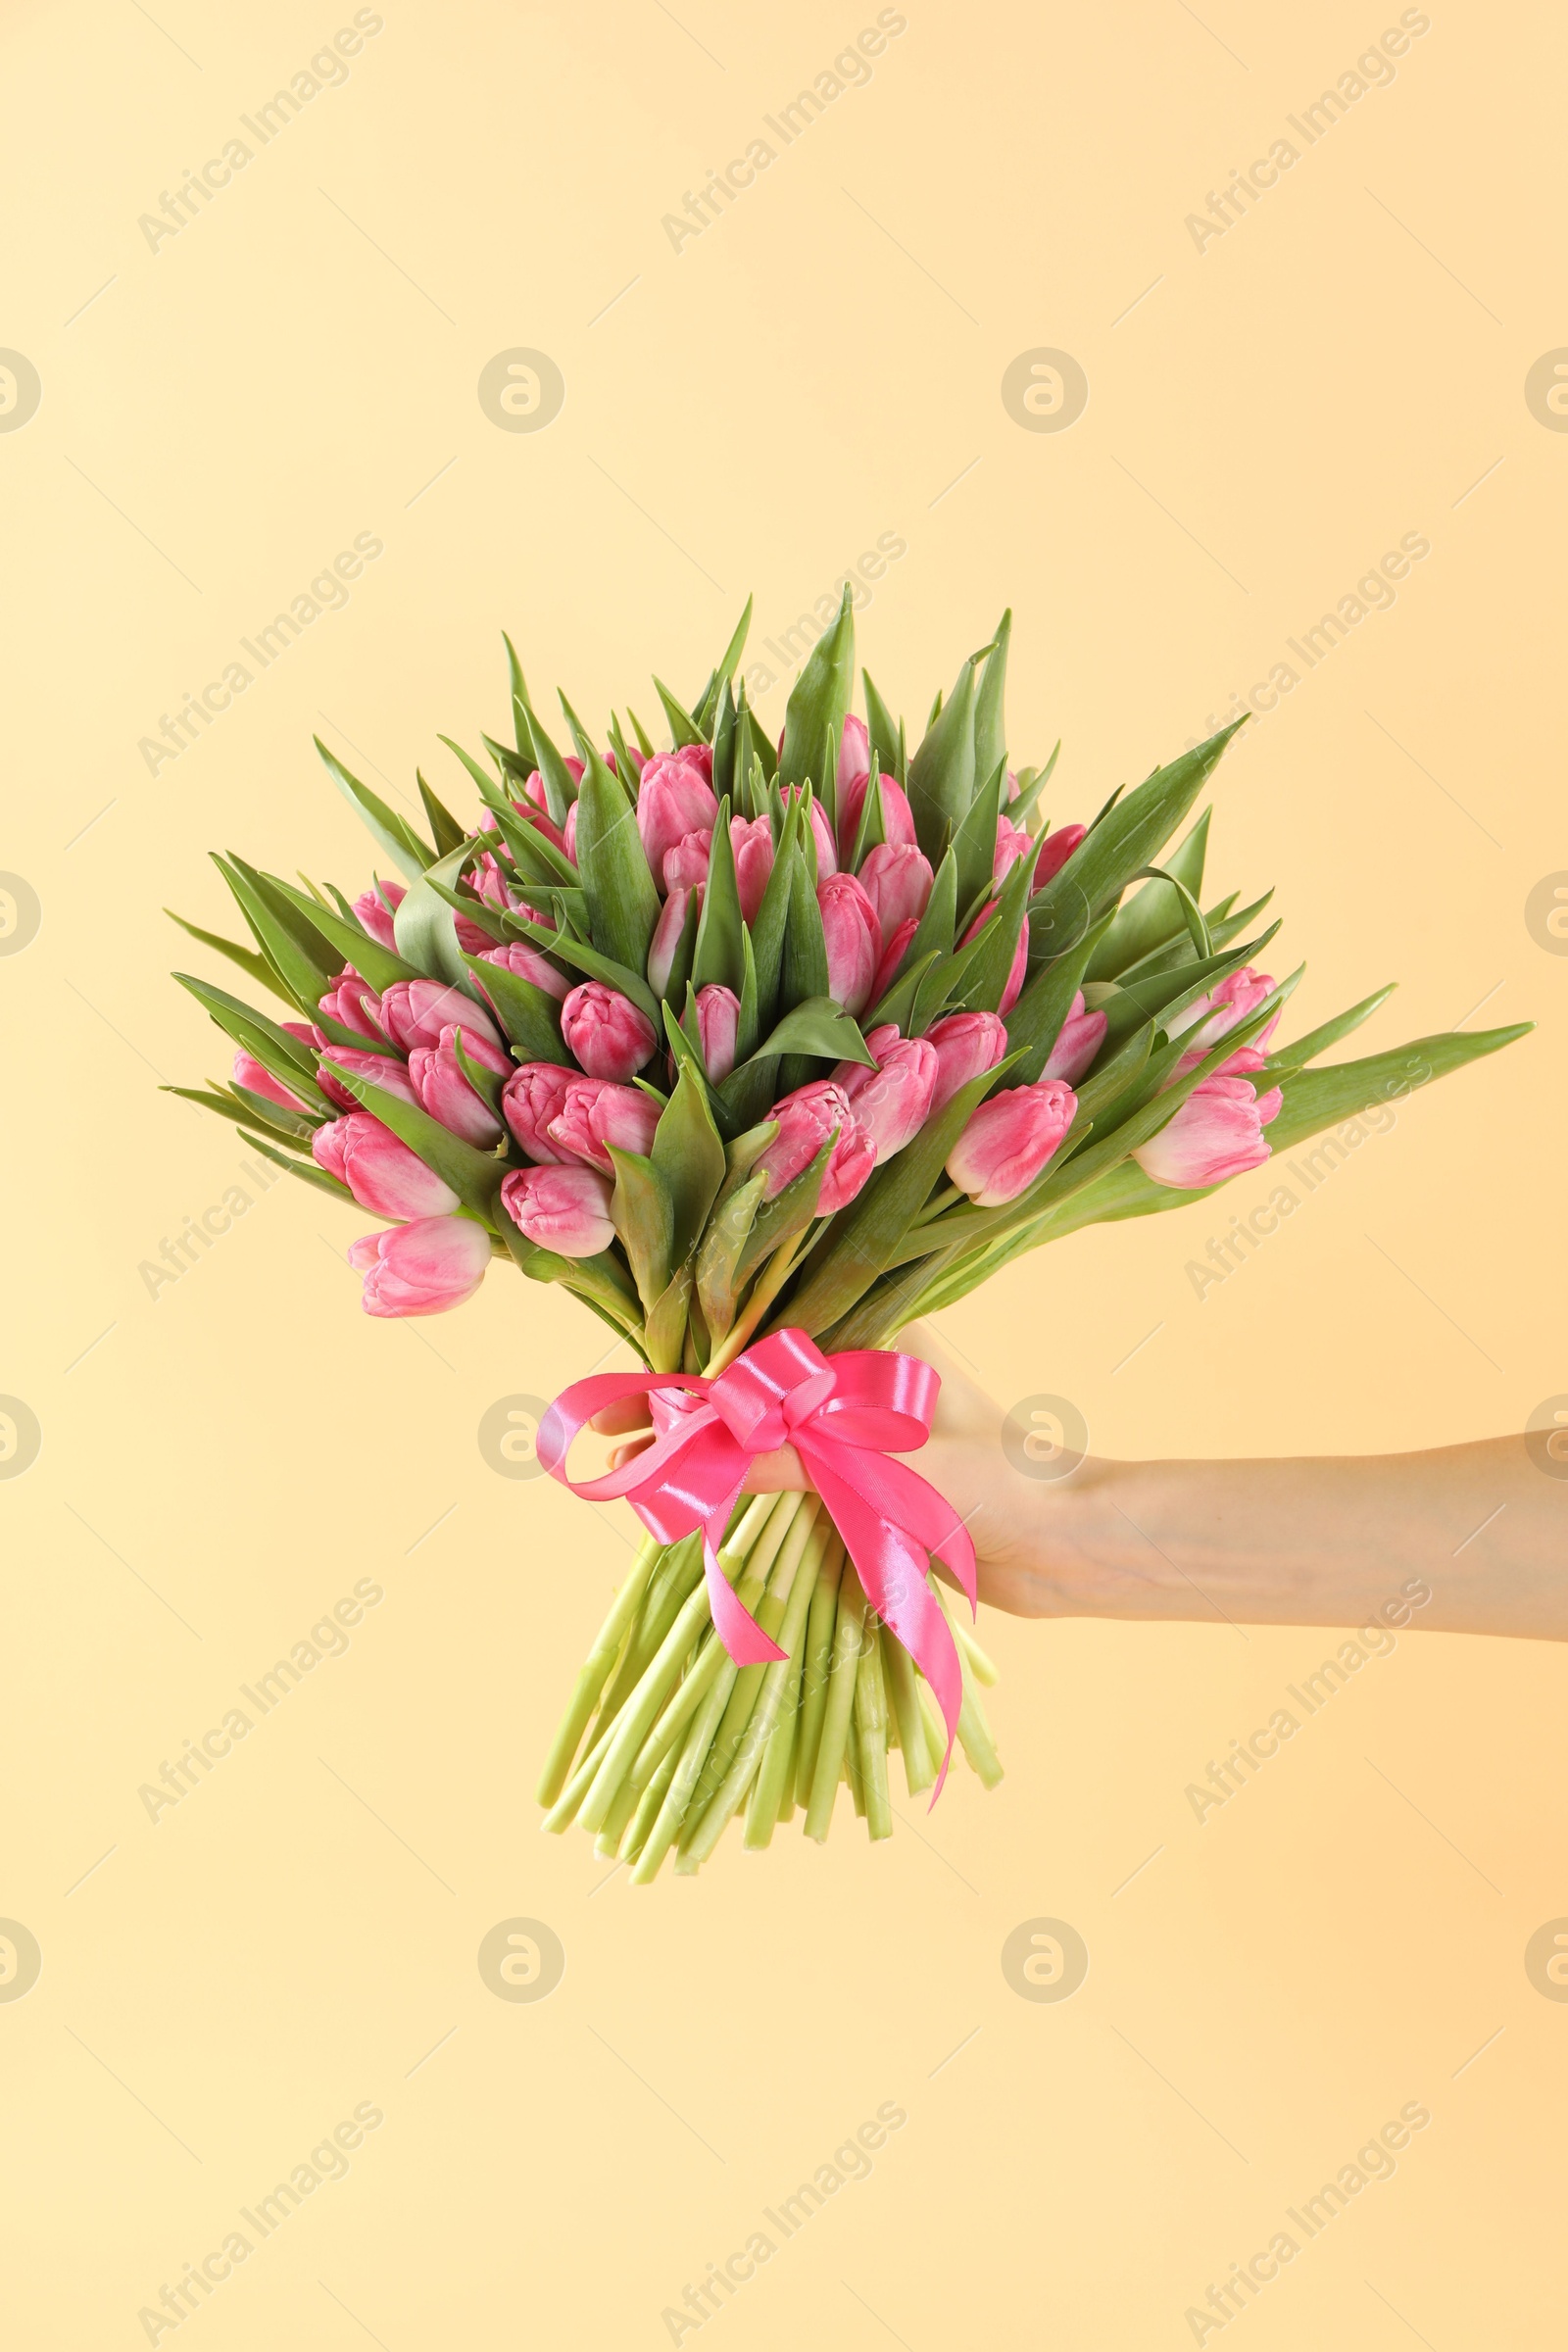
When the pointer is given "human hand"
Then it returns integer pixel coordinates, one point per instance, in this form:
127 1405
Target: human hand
963 1459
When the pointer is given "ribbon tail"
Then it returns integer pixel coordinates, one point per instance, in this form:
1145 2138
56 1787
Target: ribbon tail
893 1564
743 1638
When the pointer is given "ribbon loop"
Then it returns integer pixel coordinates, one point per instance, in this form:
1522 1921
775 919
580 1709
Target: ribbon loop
847 1417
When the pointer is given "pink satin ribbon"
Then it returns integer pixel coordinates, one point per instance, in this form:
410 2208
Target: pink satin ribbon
845 1415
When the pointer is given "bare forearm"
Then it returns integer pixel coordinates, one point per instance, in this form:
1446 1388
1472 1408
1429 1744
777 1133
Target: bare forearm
1329 1541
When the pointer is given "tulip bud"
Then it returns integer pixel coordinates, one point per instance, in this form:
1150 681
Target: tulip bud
1012 842
1217 1132
1054 851
530 1099
568 834
1009 1139
529 964
965 1044
854 937
699 756
413 1013
353 1005
854 757
892 954
565 1209
898 817
805 1120
718 1012
605 1031
1078 1041
828 857
421 1268
595 1112
892 1102
1018 971
752 841
385 1070
444 1090
897 879
665 945
1214 1015
674 799
685 867
249 1072
375 909
379 1170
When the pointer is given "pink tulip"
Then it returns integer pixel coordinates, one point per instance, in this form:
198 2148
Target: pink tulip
1078 1041
413 1013
1012 842
353 1005
855 757
828 857
854 937
445 1090
568 834
674 799
563 1210
897 879
530 1099
965 1044
1009 788
805 1120
685 867
385 1070
699 756
609 1036
892 954
494 889
752 841
250 1072
375 915
1054 851
1217 1132
718 1012
1009 1139
1019 968
595 1112
1217 1013
892 1102
668 932
381 1172
898 817
529 964
421 1268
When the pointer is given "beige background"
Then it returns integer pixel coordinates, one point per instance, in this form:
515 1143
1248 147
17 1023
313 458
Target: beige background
221 1462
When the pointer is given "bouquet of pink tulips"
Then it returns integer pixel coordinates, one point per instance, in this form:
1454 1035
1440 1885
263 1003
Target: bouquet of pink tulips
761 1052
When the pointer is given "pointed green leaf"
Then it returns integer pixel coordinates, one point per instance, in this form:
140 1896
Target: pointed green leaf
426 924
395 835
974 845
706 711
990 719
1120 842
584 958
624 904
643 1213
1302 1050
883 731
819 696
1153 916
374 962
255 965
690 1157
718 956
529 1015
1047 1000
683 728
942 774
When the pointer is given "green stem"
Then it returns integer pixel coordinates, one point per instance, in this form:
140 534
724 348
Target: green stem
770 1615
871 1732
759 1724
817 1664
898 1672
833 1745
672 1812
594 1673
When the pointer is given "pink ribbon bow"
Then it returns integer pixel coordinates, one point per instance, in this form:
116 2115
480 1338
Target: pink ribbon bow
845 1415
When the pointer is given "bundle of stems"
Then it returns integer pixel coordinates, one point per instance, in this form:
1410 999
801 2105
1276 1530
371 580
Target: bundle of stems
666 1740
